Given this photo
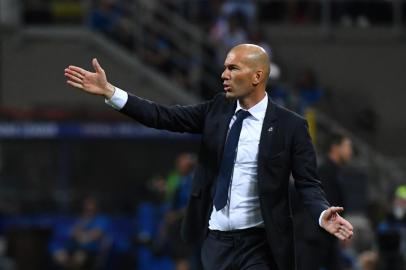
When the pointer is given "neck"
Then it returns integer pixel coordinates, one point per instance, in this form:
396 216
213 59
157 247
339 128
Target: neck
250 101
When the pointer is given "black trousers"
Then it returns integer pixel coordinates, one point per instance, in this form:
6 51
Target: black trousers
246 249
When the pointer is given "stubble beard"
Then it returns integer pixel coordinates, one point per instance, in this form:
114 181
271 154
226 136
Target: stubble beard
231 95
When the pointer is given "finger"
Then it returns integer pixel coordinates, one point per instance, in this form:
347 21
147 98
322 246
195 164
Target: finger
330 216
344 236
73 78
74 73
348 232
346 224
336 209
332 213
327 214
342 223
339 236
77 85
344 229
344 233
78 69
96 65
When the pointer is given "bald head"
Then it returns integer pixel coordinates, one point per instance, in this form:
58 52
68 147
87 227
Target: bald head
253 56
246 71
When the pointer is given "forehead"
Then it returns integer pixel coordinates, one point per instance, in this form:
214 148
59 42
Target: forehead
233 58
347 141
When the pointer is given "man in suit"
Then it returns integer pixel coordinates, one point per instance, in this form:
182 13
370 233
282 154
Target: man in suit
239 205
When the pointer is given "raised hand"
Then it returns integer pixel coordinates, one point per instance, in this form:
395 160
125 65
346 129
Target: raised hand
91 82
335 224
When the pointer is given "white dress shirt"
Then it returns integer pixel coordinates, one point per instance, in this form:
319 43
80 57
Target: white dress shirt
243 209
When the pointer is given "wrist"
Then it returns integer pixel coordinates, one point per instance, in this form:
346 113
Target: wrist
321 223
109 91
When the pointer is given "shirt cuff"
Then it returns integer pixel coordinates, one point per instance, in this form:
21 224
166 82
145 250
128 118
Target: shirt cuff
321 216
118 100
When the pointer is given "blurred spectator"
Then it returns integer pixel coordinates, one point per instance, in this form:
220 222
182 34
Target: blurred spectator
158 238
112 19
309 91
227 32
158 52
392 233
183 254
339 152
276 90
368 260
355 189
87 243
150 212
247 9
151 251
353 12
317 249
184 164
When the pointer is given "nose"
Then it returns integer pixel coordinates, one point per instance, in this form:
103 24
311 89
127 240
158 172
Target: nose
224 75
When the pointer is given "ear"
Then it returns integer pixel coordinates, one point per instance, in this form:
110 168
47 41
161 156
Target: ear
257 77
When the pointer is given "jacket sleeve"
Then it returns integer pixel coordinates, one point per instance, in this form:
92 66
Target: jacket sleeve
304 171
173 118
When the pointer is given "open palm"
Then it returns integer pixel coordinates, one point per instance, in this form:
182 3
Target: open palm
91 82
335 224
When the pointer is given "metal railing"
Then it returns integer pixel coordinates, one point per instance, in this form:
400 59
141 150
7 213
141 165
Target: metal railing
178 23
188 43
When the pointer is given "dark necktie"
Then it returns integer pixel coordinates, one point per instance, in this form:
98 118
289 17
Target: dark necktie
227 163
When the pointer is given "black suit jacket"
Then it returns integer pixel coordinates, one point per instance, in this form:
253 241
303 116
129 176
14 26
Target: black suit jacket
285 147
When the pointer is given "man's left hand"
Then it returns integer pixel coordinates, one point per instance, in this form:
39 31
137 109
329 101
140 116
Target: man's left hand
335 224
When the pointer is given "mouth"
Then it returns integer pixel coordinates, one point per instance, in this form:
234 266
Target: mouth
227 88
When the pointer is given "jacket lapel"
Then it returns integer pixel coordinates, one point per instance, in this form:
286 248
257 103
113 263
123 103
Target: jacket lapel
223 123
268 132
269 129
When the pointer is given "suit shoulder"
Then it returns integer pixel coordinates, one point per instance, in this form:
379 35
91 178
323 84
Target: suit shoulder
221 101
220 97
287 114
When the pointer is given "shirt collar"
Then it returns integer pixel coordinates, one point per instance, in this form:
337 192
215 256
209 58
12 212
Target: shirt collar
258 110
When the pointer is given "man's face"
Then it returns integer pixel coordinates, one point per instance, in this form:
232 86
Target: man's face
90 207
237 76
346 150
184 164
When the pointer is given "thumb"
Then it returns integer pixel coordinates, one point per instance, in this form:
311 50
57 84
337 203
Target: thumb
337 209
96 66
332 211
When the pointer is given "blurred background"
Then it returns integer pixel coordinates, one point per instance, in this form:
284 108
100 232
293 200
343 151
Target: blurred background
83 187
